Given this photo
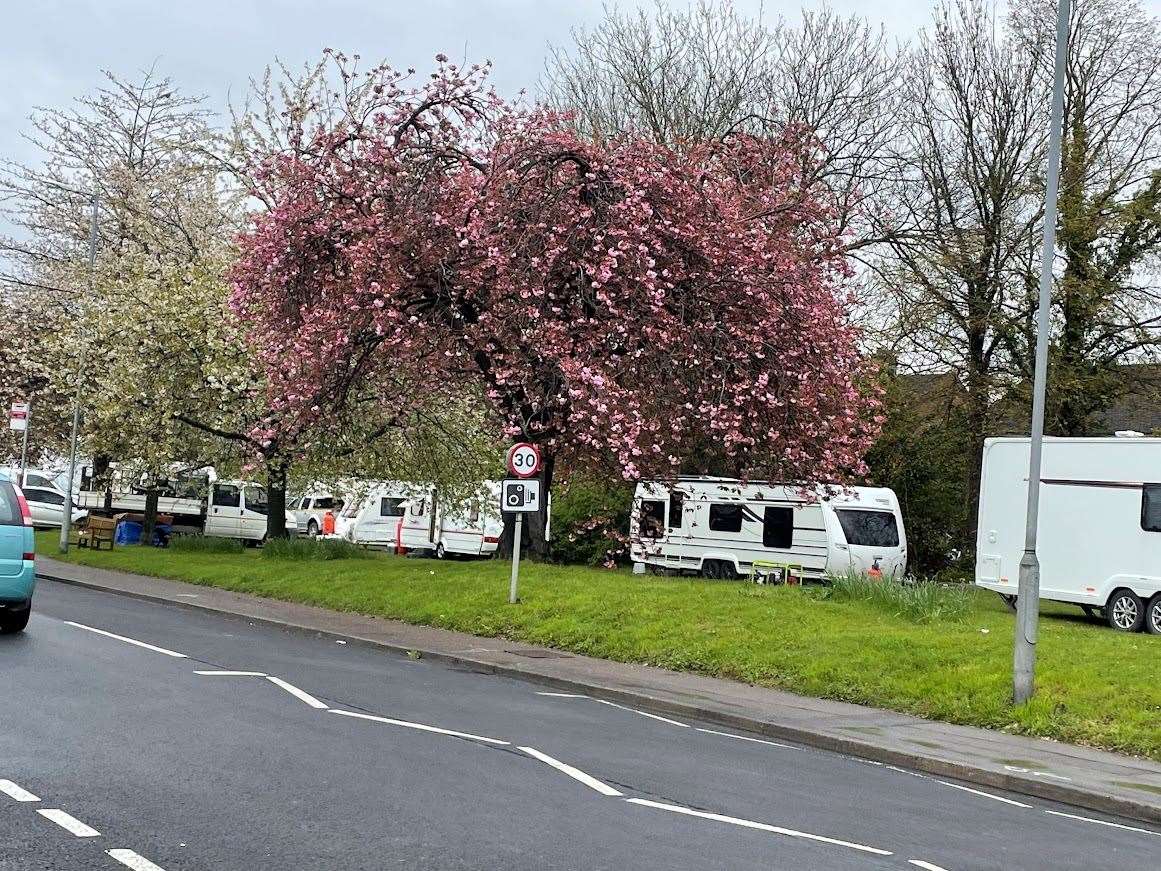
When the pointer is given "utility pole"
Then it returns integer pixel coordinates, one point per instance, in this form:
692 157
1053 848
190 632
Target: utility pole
24 447
67 520
1028 601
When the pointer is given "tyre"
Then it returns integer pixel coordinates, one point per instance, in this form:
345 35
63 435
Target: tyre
1153 616
440 551
717 570
13 621
1125 611
312 528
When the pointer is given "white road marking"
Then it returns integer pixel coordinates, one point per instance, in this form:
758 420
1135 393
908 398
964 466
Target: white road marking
421 727
750 824
563 695
905 771
69 823
1104 823
642 713
574 773
746 738
234 673
132 641
302 695
984 794
927 866
16 791
131 860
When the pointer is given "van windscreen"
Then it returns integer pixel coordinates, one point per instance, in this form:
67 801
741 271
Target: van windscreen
869 528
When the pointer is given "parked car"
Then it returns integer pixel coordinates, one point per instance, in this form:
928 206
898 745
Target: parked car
45 499
17 555
310 509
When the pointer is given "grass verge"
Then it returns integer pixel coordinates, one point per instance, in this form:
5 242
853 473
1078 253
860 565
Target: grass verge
945 662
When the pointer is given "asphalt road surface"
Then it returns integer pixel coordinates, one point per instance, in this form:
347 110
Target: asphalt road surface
322 755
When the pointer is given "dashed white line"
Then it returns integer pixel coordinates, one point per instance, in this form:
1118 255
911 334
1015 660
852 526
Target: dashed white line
574 773
233 673
132 641
927 866
15 791
69 823
642 713
132 860
746 738
563 695
302 695
750 824
421 726
984 794
1104 823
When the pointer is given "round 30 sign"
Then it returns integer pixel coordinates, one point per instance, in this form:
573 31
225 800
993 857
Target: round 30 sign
524 460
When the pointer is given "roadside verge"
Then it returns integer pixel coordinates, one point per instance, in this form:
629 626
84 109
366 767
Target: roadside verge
1092 779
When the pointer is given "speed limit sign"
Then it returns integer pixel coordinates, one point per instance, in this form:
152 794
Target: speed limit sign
524 460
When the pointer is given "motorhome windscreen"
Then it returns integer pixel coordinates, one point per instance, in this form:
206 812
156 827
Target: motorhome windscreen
868 528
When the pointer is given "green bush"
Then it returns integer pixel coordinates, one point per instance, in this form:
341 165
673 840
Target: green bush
313 549
920 601
590 520
205 544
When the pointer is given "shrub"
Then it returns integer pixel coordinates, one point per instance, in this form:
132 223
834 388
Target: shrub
590 520
205 544
313 548
920 601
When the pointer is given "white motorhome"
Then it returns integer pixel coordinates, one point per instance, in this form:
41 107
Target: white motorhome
470 529
719 527
1099 535
372 514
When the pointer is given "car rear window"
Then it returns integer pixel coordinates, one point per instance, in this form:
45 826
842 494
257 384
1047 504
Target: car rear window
9 508
869 528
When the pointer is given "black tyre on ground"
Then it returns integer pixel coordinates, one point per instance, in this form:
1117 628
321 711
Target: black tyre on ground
1153 616
13 621
312 528
440 551
1125 611
717 570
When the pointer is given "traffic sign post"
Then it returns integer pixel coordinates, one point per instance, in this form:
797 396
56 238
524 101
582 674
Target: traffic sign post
18 419
518 496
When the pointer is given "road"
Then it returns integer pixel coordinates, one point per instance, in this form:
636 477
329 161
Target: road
325 755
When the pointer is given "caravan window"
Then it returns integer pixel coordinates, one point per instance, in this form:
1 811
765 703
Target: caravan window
390 506
778 527
676 507
869 528
652 518
418 507
1151 507
725 517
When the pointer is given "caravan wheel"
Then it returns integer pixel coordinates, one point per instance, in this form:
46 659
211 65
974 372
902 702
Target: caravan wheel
1125 612
717 570
440 552
1153 616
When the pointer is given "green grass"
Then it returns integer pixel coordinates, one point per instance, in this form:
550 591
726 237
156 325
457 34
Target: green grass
925 602
943 657
314 549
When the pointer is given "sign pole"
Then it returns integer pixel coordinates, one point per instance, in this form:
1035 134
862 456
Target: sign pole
517 538
24 447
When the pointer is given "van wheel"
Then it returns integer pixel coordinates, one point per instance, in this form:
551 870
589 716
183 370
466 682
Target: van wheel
440 552
717 570
1153 616
312 528
12 622
1125 612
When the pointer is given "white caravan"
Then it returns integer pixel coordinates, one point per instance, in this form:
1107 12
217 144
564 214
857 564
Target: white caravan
1099 535
471 529
372 516
718 528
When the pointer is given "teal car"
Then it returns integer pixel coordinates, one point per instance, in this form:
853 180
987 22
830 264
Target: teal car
17 555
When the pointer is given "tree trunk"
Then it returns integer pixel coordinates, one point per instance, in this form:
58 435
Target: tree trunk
276 500
150 522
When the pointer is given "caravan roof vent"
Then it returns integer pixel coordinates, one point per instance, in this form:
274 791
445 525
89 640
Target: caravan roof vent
1129 434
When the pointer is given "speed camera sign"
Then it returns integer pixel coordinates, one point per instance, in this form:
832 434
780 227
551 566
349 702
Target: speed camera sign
520 496
524 460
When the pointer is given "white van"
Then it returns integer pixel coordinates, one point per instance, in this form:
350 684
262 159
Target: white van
372 517
718 528
238 509
1099 536
471 529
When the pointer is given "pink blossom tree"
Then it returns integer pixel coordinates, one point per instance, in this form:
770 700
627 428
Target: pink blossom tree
620 304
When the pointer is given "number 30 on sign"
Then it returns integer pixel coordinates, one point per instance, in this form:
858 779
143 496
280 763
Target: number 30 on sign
524 460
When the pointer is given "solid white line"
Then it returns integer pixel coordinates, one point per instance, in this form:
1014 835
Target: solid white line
563 695
750 824
746 738
984 794
927 866
421 727
297 693
642 713
234 673
574 773
1104 823
131 860
69 823
132 641
15 791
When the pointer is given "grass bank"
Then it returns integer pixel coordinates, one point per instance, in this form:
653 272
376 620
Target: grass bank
1095 686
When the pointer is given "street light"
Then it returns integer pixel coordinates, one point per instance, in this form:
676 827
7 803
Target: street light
67 519
1028 600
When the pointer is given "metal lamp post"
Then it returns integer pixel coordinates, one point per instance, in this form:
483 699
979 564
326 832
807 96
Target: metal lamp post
1028 601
